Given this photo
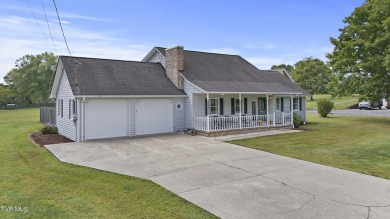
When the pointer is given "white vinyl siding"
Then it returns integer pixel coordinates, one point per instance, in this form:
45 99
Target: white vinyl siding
302 110
178 115
191 103
66 126
157 57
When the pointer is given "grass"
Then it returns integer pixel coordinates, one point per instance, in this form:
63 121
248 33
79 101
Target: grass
340 102
359 144
32 177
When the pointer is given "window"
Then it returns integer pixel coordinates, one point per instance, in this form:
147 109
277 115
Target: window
214 106
179 106
58 107
61 108
237 106
296 104
278 104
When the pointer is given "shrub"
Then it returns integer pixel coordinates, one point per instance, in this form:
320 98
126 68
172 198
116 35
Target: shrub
49 130
324 106
298 121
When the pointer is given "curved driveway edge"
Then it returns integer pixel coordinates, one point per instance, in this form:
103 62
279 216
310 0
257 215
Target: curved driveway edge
236 182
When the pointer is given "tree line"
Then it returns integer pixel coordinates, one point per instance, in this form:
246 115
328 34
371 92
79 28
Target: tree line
360 60
30 81
358 64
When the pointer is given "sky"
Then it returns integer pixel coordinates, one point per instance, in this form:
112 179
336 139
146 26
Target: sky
263 32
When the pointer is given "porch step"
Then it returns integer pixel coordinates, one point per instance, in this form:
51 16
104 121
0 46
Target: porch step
247 131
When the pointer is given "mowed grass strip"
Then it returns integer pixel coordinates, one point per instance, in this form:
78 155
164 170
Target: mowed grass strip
340 102
360 144
32 177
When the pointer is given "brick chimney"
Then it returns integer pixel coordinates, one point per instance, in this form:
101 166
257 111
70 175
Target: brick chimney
175 64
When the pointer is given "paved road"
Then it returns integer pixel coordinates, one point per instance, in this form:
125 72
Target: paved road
357 112
236 182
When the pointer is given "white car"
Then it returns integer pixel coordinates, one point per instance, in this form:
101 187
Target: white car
368 105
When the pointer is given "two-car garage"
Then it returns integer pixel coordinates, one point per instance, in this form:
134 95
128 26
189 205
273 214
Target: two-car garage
108 118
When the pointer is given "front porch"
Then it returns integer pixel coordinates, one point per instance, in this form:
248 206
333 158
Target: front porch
218 112
217 123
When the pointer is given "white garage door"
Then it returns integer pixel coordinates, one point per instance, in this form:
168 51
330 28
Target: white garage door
153 116
106 119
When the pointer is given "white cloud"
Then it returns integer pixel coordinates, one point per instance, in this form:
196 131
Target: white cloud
264 63
230 51
62 21
52 13
264 46
21 36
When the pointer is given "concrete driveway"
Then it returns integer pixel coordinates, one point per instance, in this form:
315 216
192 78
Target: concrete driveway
357 112
236 182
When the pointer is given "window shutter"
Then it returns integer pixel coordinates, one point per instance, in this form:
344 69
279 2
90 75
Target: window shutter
245 105
205 106
70 107
281 104
74 104
232 105
300 103
221 106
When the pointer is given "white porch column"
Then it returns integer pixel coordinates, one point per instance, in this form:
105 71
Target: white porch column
239 97
292 112
267 111
208 112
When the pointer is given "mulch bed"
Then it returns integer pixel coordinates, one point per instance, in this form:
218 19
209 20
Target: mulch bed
40 139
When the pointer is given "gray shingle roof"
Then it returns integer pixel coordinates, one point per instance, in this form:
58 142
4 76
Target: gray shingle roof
93 76
231 73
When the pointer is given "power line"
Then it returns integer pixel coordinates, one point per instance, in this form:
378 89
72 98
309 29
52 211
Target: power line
47 21
63 34
32 11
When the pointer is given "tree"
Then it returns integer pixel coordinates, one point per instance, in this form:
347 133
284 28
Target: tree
289 68
32 77
6 96
361 53
312 75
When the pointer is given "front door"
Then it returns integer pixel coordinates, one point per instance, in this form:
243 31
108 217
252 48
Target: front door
262 106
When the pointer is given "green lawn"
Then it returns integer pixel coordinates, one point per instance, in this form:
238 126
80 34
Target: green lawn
360 144
32 177
340 102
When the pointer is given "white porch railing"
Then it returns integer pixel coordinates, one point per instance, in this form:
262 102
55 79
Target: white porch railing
233 122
